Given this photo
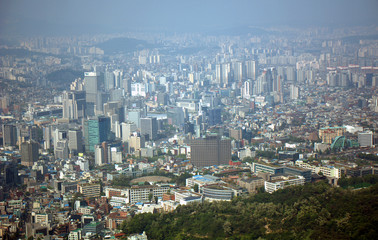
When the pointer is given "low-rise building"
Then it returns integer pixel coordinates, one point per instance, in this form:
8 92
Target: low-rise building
283 182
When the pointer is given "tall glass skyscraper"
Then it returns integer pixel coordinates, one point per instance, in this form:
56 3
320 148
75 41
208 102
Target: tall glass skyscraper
96 131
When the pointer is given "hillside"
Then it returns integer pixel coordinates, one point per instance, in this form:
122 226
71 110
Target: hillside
314 211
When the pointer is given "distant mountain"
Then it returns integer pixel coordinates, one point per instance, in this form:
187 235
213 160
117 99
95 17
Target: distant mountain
123 45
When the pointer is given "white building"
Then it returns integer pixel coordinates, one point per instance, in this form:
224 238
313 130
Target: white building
365 139
283 182
328 171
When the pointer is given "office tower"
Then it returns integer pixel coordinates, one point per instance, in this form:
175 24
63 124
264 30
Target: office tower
127 86
29 153
118 76
74 104
91 84
294 92
127 130
136 142
116 94
162 99
11 174
96 131
148 126
251 69
108 80
209 151
34 133
214 116
9 135
134 116
47 137
59 135
75 141
61 149
176 116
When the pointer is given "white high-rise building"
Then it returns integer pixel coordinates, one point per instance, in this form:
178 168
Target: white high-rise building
127 129
294 92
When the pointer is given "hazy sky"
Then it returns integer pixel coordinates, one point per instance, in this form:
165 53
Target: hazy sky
106 16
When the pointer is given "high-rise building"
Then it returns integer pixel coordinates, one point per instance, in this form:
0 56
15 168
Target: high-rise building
238 70
47 137
11 174
210 150
9 135
136 142
96 130
176 116
75 141
214 116
91 84
134 117
118 76
74 104
108 80
61 149
294 92
127 129
29 153
127 86
148 126
251 69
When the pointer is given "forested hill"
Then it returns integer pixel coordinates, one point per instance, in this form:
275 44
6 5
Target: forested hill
314 211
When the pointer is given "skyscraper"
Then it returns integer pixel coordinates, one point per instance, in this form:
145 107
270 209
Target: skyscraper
29 153
148 126
127 129
74 104
108 80
91 84
211 150
9 135
75 141
96 130
251 69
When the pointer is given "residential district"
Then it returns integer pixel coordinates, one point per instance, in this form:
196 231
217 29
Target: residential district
91 137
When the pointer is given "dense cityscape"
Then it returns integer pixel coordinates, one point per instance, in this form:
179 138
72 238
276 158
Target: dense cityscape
108 136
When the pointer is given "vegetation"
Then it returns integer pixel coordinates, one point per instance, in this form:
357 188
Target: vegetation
370 157
266 154
314 211
358 182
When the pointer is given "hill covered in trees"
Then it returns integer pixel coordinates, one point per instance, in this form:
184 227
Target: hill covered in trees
313 211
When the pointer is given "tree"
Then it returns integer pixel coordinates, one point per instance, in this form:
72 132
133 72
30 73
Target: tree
150 196
196 188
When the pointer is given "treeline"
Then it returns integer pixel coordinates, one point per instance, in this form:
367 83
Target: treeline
358 182
370 157
314 211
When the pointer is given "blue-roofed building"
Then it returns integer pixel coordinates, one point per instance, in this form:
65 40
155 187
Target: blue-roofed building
202 180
